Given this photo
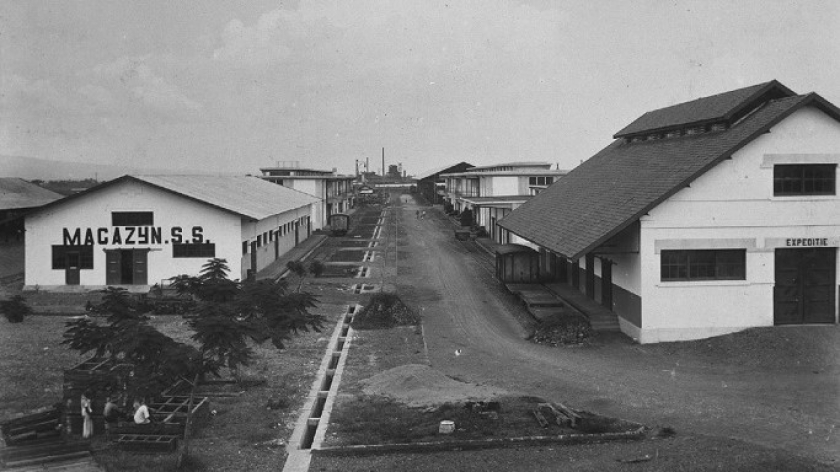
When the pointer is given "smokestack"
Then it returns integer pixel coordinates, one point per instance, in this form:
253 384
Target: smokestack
383 162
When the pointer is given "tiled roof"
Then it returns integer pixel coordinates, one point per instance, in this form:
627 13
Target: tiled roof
703 110
624 181
247 196
17 193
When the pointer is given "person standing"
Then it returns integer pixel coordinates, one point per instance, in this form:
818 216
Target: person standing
87 420
112 414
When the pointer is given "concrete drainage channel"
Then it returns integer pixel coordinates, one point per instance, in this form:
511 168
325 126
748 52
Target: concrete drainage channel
311 426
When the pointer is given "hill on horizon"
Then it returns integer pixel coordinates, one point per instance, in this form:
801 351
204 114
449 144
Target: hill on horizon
30 168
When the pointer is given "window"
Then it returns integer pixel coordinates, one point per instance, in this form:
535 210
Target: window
804 179
244 247
540 180
194 250
132 218
59 256
707 264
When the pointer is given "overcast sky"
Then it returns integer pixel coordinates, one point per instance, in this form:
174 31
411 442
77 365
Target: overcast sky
233 86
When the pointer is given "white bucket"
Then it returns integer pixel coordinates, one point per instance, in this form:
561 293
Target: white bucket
446 427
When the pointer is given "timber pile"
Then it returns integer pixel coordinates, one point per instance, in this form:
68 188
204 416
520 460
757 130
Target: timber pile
33 427
558 414
39 455
35 440
148 442
170 415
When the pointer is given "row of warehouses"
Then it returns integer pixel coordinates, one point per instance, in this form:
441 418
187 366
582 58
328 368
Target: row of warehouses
698 219
136 231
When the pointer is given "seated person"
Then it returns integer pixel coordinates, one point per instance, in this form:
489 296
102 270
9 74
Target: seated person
141 412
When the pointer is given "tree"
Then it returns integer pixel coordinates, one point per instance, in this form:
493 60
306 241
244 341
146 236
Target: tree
157 360
317 268
230 314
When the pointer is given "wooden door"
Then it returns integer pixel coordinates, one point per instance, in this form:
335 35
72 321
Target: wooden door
805 286
72 274
140 267
113 263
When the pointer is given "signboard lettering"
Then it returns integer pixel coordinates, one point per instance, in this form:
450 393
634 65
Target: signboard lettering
130 235
806 242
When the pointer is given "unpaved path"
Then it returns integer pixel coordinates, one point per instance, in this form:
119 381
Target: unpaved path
465 309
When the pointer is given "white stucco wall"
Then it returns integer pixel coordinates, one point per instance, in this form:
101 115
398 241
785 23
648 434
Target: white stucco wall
732 206
506 185
285 240
45 229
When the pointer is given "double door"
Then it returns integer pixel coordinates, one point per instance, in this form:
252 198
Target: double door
806 286
127 267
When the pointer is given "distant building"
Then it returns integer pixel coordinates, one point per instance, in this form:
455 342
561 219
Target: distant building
702 218
489 193
334 191
18 197
137 231
432 186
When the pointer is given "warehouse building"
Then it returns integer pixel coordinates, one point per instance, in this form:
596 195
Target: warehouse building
432 186
334 191
484 195
702 218
137 231
18 197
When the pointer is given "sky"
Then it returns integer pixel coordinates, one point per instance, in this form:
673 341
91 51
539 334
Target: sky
225 86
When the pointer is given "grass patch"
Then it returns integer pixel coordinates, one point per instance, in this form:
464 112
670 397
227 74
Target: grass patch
384 310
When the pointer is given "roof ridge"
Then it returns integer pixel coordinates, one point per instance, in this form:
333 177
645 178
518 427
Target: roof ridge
722 106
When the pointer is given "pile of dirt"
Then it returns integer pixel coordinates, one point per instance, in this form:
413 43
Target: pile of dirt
419 385
566 329
384 310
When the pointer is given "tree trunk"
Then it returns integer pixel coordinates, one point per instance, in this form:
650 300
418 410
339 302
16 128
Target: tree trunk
185 448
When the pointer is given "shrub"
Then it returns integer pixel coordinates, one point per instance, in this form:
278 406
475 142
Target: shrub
564 329
15 309
384 310
317 268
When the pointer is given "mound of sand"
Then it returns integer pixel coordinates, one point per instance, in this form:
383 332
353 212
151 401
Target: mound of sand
419 385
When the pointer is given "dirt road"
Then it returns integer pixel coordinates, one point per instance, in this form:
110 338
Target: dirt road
792 405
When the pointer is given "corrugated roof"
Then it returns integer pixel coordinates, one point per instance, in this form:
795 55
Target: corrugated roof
703 110
251 197
624 181
514 164
439 170
248 196
499 199
17 193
